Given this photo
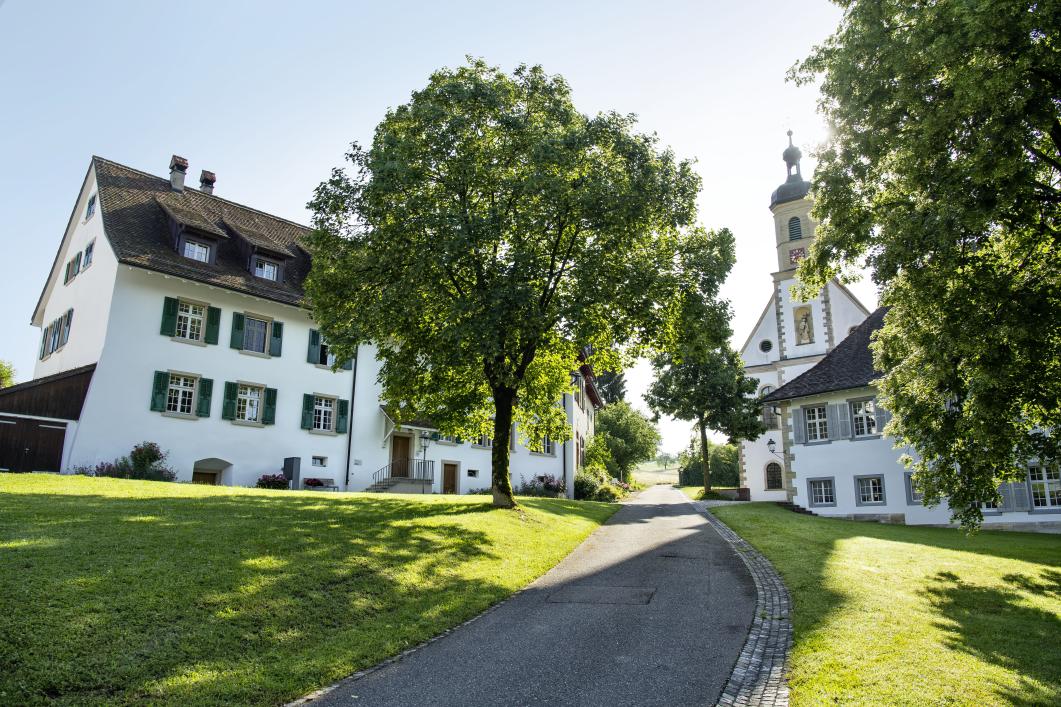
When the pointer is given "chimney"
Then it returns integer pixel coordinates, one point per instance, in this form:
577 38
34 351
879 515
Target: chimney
206 182
178 167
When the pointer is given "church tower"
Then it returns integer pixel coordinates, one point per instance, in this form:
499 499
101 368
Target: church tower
791 335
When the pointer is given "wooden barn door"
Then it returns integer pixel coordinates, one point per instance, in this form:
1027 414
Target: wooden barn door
31 445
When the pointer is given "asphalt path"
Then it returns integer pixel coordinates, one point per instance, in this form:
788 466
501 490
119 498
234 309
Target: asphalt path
652 609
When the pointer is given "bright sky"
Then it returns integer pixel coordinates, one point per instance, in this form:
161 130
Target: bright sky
267 95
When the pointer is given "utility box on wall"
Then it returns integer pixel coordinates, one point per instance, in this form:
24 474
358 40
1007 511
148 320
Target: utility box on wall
292 466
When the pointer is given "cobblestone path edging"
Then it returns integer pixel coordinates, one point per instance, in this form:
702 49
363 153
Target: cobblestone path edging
758 678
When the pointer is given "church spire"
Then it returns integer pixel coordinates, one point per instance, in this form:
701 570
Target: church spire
793 188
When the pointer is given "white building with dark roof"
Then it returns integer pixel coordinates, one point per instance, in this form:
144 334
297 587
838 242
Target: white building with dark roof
839 463
175 316
790 336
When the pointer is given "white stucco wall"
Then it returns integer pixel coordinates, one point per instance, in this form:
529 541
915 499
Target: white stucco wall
88 294
845 459
117 411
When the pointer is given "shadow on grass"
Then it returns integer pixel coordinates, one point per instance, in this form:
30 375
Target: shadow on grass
999 625
996 625
234 598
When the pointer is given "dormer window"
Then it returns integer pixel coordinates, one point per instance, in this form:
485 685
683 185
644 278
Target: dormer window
196 250
266 269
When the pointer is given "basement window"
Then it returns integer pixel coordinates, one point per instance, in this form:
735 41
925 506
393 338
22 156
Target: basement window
473 473
319 461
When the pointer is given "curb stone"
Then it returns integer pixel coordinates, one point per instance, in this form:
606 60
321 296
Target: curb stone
758 678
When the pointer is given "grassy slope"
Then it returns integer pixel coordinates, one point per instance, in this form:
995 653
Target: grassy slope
905 615
123 591
697 493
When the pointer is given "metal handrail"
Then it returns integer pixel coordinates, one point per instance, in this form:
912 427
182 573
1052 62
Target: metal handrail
411 469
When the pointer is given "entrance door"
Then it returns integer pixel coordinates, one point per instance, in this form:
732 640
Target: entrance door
400 455
449 478
205 477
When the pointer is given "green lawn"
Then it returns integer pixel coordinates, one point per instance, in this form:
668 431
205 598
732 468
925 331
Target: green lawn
697 493
124 591
891 615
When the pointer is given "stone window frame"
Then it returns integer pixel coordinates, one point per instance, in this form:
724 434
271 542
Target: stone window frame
197 379
330 430
851 416
766 477
806 424
260 420
267 336
810 493
201 341
883 490
1032 508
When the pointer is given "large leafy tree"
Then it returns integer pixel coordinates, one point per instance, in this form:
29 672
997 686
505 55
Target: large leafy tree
629 437
710 388
7 374
489 235
943 174
612 386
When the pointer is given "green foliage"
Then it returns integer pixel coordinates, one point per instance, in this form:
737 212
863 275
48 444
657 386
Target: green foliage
489 235
612 386
956 619
711 388
209 595
7 374
628 436
146 462
724 465
942 173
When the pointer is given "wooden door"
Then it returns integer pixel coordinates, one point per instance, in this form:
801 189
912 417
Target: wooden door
400 455
208 478
31 445
449 478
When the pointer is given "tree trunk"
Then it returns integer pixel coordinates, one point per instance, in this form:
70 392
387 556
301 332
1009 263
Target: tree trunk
504 400
706 457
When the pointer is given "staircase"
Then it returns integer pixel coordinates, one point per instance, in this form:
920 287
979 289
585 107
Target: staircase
419 473
788 505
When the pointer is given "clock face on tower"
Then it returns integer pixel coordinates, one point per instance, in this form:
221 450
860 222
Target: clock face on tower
795 255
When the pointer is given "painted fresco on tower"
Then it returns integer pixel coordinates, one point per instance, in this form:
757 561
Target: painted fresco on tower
804 325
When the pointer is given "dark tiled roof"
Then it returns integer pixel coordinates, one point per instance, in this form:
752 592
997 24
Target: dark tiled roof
849 365
136 224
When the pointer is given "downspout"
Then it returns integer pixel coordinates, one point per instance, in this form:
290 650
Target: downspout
350 426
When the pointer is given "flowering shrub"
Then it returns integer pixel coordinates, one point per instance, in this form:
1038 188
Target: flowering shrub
146 462
314 483
272 481
545 485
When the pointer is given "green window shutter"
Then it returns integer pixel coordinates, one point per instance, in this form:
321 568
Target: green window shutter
269 413
237 330
343 417
206 389
213 325
307 411
44 342
276 339
68 320
158 391
66 275
77 263
169 317
313 355
228 405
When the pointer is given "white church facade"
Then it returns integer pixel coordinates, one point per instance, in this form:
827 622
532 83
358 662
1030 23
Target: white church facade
825 449
175 316
790 336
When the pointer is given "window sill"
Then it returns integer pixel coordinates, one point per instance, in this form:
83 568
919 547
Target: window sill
1044 511
324 367
479 446
543 454
822 505
256 354
323 433
179 415
193 342
864 438
447 443
817 442
247 423
866 504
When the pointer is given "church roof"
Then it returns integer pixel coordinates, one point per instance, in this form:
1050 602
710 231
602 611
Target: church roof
849 365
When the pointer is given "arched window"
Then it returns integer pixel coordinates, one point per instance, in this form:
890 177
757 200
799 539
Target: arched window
773 477
795 229
769 411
